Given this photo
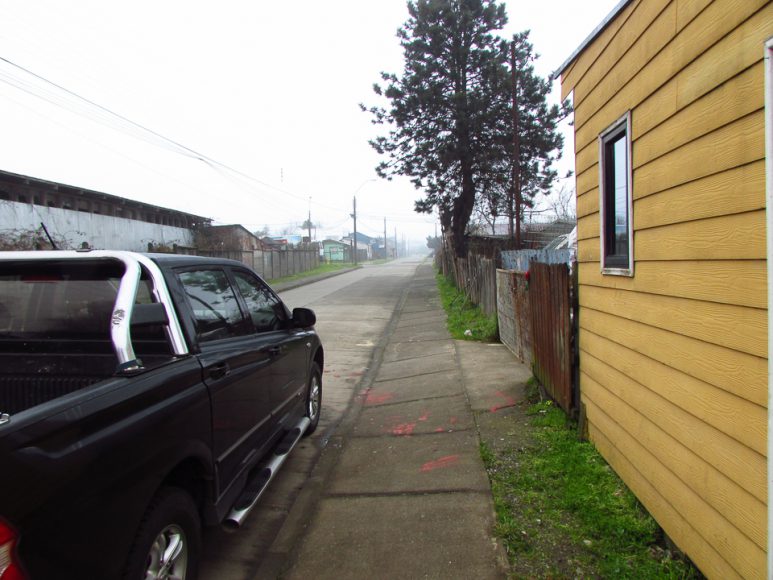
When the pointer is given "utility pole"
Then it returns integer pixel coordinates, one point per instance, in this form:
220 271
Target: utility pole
515 193
396 254
354 242
386 254
309 219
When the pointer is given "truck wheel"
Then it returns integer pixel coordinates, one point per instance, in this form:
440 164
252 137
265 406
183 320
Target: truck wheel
168 542
314 399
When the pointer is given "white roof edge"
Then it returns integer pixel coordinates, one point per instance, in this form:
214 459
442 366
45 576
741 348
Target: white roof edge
592 36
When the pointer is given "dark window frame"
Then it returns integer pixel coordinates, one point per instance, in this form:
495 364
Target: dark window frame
615 260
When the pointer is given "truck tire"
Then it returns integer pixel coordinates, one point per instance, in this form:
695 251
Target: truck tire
313 399
168 542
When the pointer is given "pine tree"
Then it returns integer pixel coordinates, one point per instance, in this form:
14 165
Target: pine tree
452 130
440 116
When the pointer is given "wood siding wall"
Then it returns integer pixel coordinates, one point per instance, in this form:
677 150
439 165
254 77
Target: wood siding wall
673 361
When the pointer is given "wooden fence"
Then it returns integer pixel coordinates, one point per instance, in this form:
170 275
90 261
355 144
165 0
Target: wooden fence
475 275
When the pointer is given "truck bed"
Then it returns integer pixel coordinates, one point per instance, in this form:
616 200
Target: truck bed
34 372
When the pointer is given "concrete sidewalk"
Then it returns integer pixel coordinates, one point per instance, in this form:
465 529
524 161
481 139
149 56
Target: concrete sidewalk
401 491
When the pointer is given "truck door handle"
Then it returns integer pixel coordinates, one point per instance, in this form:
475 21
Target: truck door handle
218 371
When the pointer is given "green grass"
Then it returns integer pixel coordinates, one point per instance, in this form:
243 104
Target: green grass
464 315
323 269
562 511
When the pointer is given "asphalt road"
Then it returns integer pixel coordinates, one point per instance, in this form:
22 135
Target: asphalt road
353 311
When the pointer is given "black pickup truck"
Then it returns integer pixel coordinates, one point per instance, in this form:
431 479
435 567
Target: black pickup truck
141 397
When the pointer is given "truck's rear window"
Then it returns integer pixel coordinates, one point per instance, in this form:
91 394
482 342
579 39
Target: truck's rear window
59 300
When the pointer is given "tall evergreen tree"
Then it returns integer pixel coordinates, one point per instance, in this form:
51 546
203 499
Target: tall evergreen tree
442 133
452 130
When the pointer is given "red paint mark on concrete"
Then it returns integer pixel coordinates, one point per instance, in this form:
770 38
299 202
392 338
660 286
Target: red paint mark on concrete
441 463
439 430
337 376
356 374
376 399
424 416
403 429
509 402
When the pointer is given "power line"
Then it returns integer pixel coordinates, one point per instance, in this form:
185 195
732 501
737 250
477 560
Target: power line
176 146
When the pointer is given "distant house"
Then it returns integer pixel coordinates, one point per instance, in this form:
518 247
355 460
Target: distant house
366 245
288 240
272 244
230 237
335 251
670 152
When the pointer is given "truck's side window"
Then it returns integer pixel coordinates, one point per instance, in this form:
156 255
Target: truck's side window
214 304
263 306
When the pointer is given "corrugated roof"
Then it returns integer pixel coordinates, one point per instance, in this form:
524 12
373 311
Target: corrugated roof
592 36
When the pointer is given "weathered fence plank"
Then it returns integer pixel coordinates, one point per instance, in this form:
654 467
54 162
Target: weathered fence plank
514 314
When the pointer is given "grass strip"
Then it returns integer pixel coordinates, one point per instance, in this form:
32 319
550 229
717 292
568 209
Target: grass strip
562 511
465 321
322 269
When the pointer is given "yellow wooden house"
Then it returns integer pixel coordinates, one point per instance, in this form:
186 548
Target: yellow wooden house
673 105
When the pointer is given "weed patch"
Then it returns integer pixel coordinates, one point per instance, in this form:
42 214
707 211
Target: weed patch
562 511
465 320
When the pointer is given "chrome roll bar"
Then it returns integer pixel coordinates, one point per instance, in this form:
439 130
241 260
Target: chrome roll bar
120 321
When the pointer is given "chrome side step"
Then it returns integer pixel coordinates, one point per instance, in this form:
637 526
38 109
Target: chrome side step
263 476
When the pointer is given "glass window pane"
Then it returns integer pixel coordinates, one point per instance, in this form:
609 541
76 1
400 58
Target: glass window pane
620 196
214 304
263 306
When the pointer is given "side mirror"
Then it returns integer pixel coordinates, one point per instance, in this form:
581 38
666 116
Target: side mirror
304 317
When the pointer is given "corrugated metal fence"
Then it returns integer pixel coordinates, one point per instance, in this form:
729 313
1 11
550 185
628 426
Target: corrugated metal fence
551 300
519 259
271 264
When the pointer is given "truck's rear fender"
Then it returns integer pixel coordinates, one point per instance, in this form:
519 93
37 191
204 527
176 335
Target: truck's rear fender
123 442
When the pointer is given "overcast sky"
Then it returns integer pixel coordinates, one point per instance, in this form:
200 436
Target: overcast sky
270 89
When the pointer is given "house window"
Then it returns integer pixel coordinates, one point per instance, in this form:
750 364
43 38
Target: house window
616 198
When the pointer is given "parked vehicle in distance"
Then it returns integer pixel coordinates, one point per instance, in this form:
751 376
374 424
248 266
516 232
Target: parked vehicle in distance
141 397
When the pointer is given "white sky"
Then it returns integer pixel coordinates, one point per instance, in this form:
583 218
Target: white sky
268 88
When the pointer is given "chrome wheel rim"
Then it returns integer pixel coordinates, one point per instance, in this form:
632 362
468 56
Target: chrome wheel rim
168 556
315 395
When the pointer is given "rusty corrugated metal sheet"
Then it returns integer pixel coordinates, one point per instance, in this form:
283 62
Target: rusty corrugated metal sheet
550 298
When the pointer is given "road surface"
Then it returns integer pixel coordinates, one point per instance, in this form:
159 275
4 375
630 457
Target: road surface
353 312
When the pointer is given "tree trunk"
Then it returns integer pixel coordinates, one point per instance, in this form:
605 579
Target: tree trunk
462 210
